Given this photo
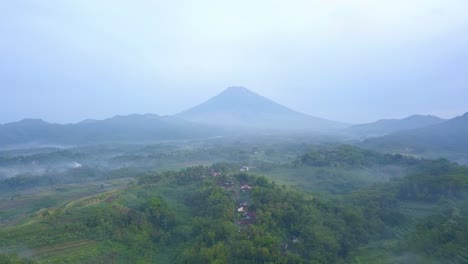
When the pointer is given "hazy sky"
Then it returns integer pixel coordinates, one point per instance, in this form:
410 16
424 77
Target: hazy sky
347 60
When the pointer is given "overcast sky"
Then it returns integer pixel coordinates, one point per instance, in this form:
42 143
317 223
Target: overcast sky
346 60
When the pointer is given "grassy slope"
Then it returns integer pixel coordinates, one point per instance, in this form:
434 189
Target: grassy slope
16 206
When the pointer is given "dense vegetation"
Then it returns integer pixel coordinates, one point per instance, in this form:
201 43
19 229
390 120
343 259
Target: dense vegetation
350 157
14 259
443 235
137 222
217 214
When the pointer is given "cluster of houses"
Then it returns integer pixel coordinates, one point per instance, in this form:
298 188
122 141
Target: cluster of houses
229 185
247 216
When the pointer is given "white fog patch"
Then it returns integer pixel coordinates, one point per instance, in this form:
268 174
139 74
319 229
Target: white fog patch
15 171
76 165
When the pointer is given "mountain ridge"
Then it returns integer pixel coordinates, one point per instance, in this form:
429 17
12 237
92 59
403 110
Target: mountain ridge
236 109
384 127
449 137
121 128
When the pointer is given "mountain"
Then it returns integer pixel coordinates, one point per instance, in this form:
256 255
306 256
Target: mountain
28 131
236 107
449 138
388 126
240 108
123 129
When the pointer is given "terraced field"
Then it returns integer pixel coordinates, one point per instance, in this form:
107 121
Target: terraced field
18 206
23 216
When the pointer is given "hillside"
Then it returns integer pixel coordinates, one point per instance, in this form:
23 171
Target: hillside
217 214
29 131
238 107
188 216
388 126
450 137
122 129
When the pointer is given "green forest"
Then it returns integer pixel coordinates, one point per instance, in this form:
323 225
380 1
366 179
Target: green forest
217 213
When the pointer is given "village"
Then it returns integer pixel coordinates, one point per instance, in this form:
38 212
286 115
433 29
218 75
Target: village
241 191
245 215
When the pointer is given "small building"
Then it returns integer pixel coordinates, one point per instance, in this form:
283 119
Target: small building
244 169
295 240
246 187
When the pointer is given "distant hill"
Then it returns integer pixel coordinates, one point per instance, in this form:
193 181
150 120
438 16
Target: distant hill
238 107
444 139
29 131
123 129
388 126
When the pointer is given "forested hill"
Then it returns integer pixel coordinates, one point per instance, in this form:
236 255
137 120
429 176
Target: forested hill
447 139
197 215
389 126
346 156
217 215
119 129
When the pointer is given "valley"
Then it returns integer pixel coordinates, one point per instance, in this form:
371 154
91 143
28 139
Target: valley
217 185
234 132
349 205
